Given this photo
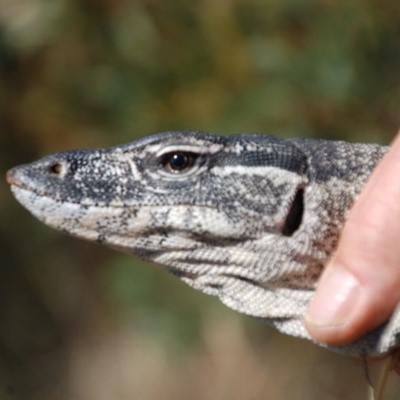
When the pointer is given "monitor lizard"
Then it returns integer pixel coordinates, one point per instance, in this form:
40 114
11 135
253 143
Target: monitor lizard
250 218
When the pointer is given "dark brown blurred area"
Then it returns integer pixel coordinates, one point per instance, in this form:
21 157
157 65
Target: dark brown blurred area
78 321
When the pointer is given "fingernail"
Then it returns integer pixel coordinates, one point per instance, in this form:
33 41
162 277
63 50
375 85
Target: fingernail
336 300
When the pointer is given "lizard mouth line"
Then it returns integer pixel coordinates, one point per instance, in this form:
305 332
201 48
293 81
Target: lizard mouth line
18 187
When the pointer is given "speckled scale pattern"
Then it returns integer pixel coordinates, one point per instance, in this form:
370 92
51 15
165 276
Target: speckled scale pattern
221 224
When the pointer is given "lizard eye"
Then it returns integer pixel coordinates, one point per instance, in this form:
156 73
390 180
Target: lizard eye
178 161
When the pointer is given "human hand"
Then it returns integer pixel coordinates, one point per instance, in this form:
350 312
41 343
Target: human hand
361 286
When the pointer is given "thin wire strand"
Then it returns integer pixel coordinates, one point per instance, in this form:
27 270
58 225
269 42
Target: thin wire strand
387 366
370 386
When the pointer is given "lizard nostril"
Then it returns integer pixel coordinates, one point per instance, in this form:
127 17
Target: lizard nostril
56 168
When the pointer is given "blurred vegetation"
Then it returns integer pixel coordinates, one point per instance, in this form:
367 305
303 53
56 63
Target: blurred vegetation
78 321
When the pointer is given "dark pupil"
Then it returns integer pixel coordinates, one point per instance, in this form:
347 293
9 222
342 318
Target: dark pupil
178 161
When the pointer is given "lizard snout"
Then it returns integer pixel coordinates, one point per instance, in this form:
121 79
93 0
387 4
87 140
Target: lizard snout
11 177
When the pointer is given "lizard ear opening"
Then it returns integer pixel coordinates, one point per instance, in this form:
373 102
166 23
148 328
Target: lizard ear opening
295 214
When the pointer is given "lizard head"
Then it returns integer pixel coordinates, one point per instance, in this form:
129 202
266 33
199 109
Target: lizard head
171 192
184 183
216 211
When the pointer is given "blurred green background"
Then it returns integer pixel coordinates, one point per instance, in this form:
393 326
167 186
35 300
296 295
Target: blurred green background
78 321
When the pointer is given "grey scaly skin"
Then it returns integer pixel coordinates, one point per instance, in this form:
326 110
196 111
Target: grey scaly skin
252 219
